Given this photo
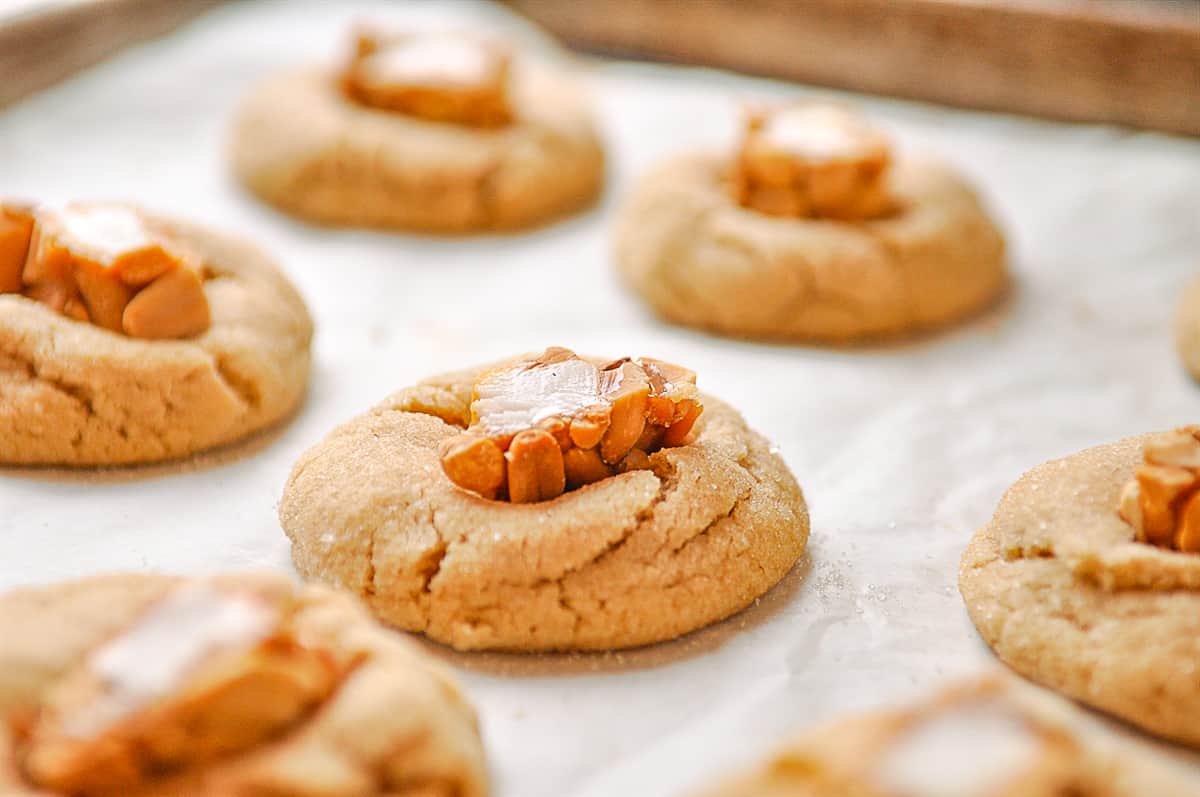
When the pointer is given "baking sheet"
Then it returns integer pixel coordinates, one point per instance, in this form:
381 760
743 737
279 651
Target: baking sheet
903 450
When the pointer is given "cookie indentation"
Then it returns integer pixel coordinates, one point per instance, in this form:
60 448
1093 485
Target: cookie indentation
106 264
812 161
442 77
540 426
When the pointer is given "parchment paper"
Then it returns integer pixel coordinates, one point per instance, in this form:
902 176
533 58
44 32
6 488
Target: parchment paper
903 450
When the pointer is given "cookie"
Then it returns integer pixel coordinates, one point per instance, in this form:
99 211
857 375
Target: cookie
74 393
977 739
144 685
1072 594
773 246
353 148
148 685
1187 328
638 557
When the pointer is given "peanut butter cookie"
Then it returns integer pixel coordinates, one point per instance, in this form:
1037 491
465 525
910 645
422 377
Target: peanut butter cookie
982 739
130 338
668 533
1087 580
436 132
148 686
813 230
1187 328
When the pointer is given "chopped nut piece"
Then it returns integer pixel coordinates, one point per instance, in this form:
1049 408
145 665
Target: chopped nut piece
442 77
584 466
815 161
202 674
1160 502
173 306
105 264
535 467
105 298
16 231
475 463
630 405
559 422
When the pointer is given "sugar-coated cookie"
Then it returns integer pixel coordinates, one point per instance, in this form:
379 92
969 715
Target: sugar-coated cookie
73 392
977 739
662 544
1087 580
440 133
1187 328
823 235
138 685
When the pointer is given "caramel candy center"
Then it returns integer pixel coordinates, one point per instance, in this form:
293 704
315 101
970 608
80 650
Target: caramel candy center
437 76
201 674
812 161
102 263
1162 500
542 426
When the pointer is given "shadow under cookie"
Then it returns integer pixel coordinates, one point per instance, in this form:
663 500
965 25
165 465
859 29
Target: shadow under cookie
1060 589
636 558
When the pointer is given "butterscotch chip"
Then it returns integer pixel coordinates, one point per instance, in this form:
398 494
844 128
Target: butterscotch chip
812 161
441 77
241 684
16 230
1072 597
538 412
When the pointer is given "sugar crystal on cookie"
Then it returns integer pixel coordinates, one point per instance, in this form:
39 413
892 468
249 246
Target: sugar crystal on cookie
557 422
203 672
1162 500
442 77
812 161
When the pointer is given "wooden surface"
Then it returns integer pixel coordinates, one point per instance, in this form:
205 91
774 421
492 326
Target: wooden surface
1133 62
44 44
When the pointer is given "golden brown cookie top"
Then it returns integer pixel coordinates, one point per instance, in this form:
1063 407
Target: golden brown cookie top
104 263
205 671
439 76
1162 500
812 161
557 421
